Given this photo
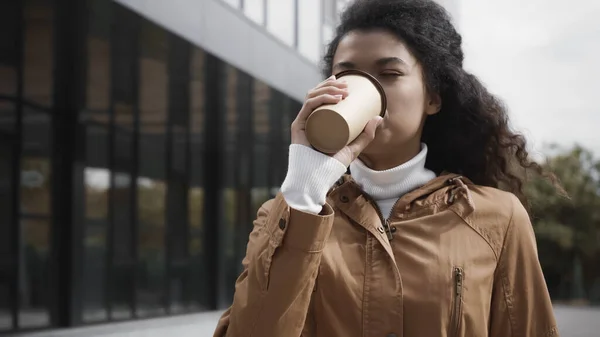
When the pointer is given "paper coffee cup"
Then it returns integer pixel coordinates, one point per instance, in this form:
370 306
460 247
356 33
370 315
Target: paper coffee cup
333 126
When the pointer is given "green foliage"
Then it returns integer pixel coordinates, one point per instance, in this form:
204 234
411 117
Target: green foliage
568 228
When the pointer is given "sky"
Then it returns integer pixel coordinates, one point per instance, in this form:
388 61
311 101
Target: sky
542 57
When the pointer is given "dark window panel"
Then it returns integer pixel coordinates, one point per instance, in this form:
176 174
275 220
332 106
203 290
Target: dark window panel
262 97
94 268
6 317
8 117
33 282
38 75
122 267
35 186
124 42
198 288
151 183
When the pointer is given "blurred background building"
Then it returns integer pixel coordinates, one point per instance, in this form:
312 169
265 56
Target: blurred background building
137 140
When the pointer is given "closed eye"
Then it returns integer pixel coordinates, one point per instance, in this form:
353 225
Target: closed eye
391 73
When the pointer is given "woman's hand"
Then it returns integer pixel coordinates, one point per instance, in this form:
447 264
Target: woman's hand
331 91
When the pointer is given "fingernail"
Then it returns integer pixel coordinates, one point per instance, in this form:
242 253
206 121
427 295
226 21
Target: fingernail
339 97
331 78
379 120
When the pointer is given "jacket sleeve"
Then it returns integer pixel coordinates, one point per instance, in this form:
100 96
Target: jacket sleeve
273 293
521 305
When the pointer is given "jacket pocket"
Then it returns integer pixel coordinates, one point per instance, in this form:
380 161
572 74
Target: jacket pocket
457 302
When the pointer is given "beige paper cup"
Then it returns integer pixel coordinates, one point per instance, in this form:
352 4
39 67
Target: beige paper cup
333 126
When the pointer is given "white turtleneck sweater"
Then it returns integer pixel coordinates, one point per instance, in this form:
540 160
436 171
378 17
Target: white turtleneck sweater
311 174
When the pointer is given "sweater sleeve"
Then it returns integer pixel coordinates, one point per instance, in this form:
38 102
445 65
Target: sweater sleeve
310 176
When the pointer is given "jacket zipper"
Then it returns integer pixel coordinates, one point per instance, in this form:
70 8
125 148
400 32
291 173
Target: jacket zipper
457 309
384 221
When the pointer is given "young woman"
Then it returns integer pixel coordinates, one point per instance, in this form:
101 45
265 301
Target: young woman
418 240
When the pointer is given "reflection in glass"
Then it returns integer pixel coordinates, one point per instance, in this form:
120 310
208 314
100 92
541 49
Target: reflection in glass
38 51
280 20
262 96
98 78
259 196
309 28
121 275
227 245
96 184
197 289
151 250
35 185
34 280
254 9
151 186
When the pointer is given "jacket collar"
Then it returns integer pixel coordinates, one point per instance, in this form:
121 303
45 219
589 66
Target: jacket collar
348 197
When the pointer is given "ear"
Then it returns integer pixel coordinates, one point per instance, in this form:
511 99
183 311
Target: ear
434 104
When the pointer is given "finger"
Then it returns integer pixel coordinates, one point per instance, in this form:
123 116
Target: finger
330 90
312 103
332 81
365 138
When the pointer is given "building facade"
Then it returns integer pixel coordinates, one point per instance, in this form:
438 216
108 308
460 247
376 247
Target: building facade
137 140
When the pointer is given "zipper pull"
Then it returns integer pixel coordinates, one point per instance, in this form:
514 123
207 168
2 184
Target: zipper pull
459 281
388 229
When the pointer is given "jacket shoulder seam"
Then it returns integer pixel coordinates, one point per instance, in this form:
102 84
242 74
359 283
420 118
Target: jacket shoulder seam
476 230
505 283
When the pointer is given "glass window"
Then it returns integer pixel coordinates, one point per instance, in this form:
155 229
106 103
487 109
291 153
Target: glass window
38 51
177 215
10 19
8 117
309 29
151 186
230 194
7 229
280 19
94 120
260 189
122 267
255 10
35 165
124 64
197 288
8 80
262 96
6 318
7 181
34 253
35 208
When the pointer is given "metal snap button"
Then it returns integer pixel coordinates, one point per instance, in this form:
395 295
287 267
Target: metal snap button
282 224
344 198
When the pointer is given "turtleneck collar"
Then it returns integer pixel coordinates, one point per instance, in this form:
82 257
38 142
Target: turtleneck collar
394 182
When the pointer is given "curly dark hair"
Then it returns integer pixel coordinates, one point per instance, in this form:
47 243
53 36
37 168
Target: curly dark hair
471 134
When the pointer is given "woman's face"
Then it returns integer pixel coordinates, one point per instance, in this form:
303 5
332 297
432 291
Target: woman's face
388 59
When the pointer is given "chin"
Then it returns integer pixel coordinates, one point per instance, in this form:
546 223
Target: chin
377 146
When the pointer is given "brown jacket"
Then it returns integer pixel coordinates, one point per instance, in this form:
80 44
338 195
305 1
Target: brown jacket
454 259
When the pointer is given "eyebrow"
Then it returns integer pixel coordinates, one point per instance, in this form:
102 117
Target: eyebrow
381 62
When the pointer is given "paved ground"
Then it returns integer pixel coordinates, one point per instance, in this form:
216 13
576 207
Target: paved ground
572 322
578 322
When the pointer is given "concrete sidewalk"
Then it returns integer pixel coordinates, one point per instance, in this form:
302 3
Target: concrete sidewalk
572 322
